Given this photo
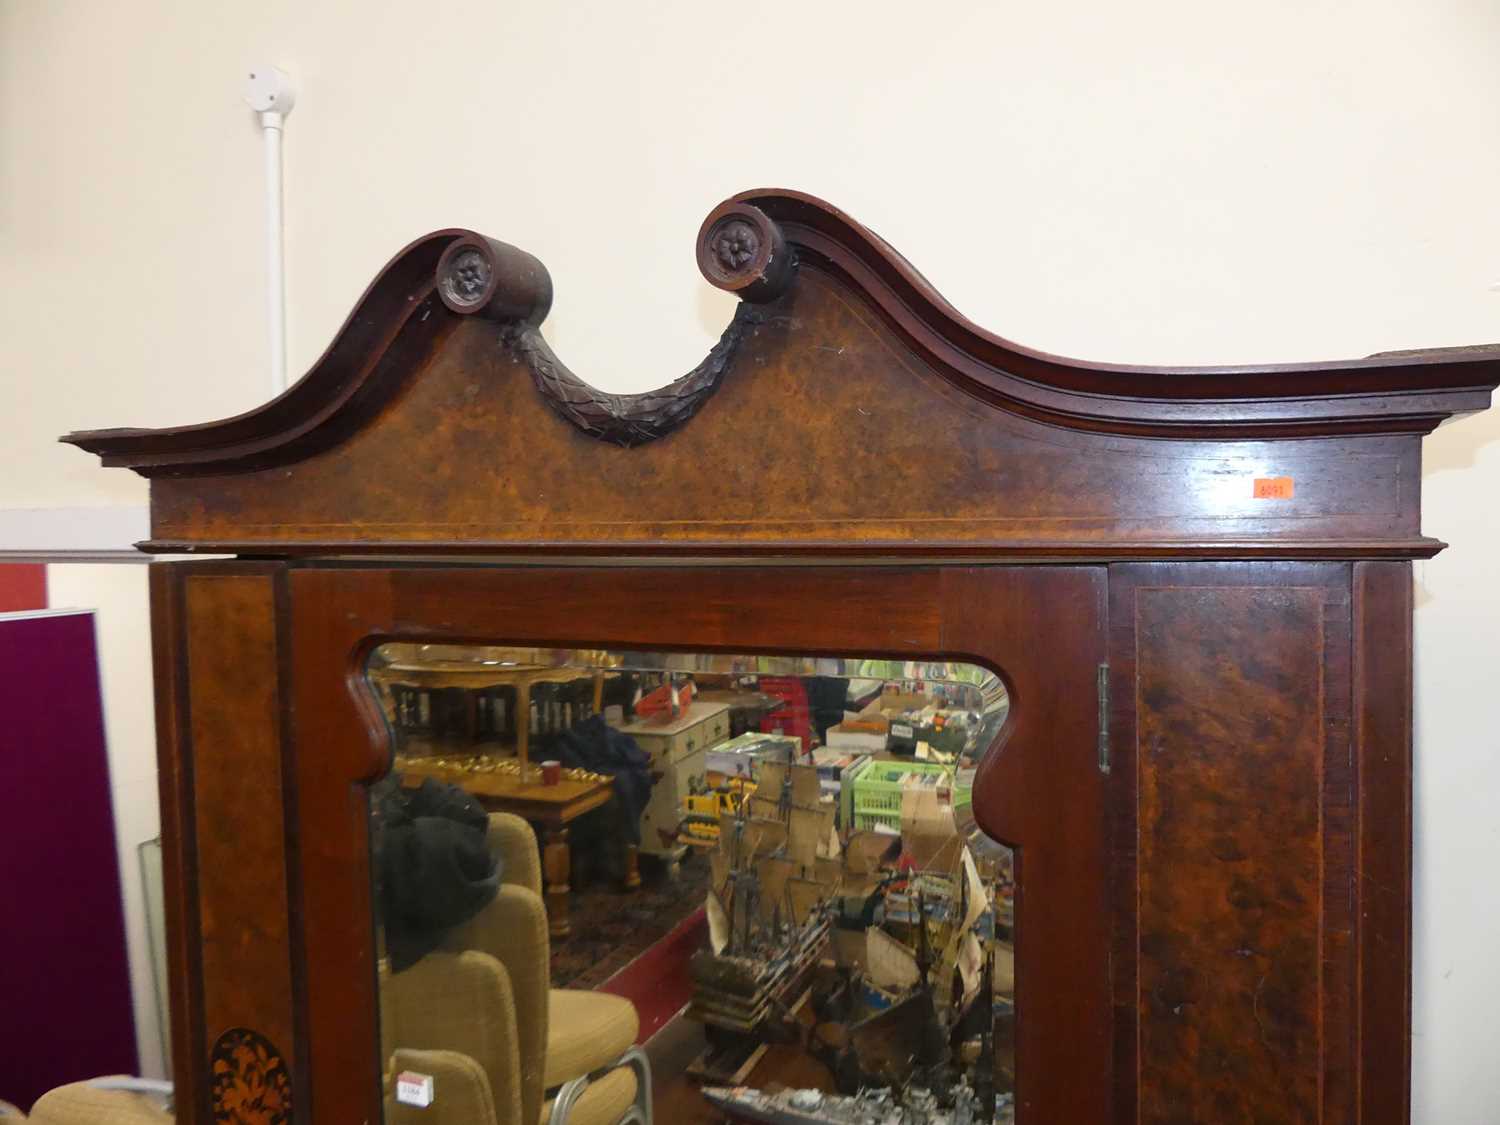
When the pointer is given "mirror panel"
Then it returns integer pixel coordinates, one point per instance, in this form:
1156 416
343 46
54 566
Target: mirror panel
763 869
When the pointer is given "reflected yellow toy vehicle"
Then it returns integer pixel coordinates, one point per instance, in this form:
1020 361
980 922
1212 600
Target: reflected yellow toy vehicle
705 804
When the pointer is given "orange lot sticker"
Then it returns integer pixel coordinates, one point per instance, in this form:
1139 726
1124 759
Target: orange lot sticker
1273 488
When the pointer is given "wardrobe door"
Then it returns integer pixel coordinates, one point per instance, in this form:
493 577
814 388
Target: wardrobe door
1040 790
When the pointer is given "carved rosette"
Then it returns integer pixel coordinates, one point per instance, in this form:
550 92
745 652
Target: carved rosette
469 278
486 277
250 1084
742 251
735 244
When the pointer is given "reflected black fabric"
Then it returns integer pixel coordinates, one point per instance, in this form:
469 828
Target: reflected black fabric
595 745
432 864
827 697
434 798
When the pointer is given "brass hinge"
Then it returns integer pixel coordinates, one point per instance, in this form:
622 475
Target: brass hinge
1104 718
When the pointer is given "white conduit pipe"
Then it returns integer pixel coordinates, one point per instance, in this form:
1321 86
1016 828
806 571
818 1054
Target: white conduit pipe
270 126
270 93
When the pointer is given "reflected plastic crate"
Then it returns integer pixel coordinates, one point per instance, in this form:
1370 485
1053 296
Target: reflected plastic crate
872 792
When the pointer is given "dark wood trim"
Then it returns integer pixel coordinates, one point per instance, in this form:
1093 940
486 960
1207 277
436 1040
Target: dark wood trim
419 296
396 320
338 746
1003 617
179 841
1382 890
301 1065
1123 816
905 553
1339 985
1410 391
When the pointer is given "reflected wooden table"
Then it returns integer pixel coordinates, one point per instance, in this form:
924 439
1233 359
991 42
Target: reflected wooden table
482 675
552 807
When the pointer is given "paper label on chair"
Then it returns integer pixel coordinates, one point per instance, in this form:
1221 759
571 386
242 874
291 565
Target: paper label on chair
414 1089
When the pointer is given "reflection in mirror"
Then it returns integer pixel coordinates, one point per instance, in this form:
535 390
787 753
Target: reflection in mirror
743 887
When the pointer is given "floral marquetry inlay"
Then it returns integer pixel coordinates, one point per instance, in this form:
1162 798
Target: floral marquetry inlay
251 1085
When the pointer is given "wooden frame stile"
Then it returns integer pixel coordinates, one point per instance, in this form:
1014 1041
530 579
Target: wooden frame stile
1382 865
1213 860
179 865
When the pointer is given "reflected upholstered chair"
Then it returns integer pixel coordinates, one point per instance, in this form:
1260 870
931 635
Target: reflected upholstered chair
96 1103
463 1002
480 1016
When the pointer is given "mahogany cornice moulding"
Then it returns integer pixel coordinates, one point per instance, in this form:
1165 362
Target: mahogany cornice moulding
846 407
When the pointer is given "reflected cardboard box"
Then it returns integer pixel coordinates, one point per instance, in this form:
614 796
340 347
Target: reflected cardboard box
742 755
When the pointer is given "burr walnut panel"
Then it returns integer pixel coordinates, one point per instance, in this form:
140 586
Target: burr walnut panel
824 430
239 820
1237 726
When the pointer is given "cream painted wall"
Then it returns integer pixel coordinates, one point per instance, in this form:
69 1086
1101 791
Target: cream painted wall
1167 181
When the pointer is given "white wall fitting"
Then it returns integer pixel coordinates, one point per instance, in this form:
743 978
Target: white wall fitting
1160 182
269 92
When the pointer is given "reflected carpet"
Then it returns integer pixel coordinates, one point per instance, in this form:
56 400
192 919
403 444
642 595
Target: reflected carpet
613 929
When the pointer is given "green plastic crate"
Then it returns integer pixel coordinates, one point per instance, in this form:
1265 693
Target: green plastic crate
873 794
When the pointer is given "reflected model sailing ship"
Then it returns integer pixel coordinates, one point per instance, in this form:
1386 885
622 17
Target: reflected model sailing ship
773 872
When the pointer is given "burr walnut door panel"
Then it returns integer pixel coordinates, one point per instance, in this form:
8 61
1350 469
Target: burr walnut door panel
1234 791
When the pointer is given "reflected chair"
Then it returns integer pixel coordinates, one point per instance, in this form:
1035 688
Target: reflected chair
102 1101
464 1002
570 1033
483 1006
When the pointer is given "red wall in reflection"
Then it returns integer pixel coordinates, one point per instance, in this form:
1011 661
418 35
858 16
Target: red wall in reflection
22 586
